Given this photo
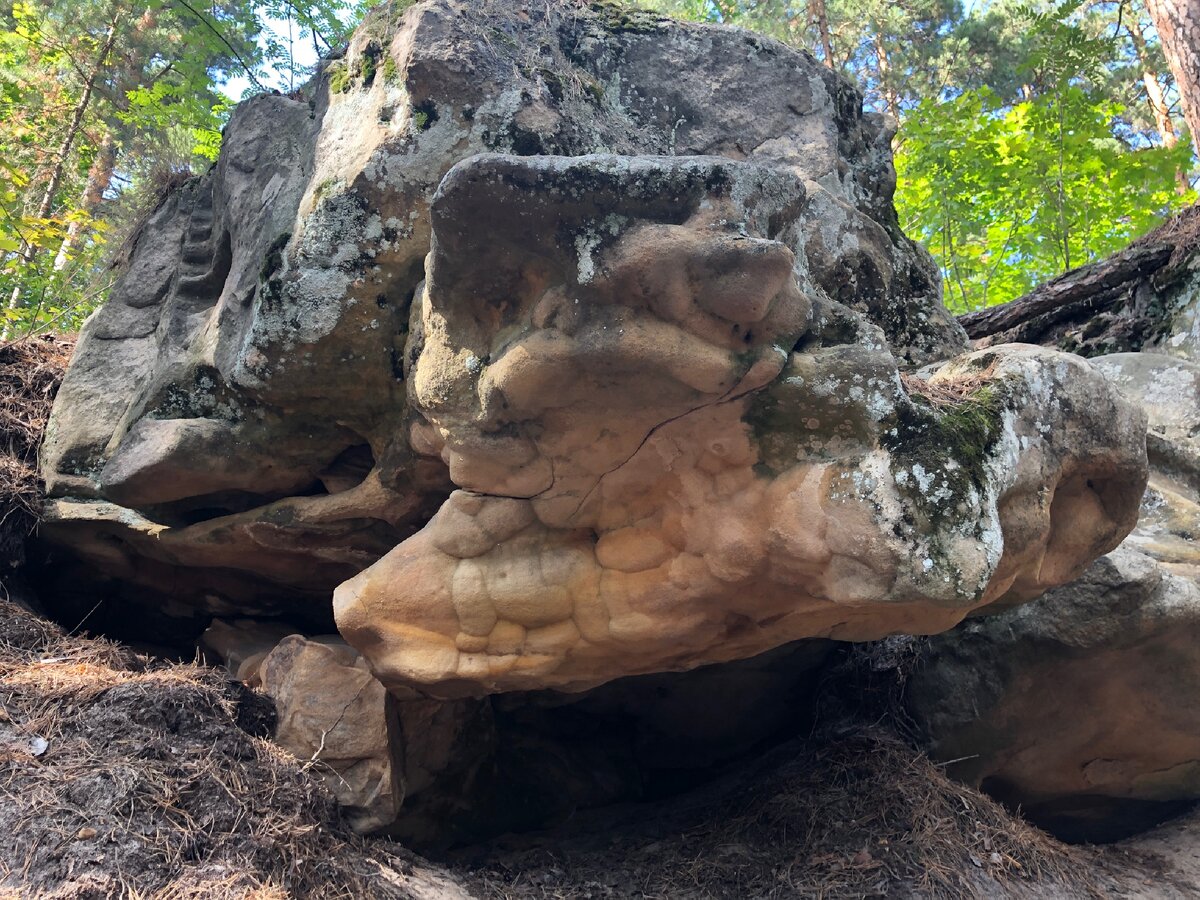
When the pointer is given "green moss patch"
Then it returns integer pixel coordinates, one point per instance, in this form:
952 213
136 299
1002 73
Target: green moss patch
621 19
949 444
339 78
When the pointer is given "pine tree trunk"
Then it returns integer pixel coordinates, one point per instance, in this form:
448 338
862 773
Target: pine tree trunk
1154 93
890 99
98 181
1178 26
820 18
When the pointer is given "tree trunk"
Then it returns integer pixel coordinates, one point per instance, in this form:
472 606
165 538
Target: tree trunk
1095 284
28 251
1178 26
1127 302
98 180
890 99
820 18
1154 93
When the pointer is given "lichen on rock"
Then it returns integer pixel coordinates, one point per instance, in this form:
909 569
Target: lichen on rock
1076 707
616 514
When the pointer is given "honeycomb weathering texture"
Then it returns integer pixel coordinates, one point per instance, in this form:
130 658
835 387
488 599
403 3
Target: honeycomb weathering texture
668 456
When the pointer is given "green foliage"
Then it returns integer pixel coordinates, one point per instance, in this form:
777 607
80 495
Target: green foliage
391 75
1026 142
102 102
1009 195
1006 197
339 77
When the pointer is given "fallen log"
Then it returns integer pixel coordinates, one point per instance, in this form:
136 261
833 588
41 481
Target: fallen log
1108 278
1128 301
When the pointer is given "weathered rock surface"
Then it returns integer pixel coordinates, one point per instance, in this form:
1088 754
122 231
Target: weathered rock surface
648 325
240 645
1168 388
750 496
334 713
234 426
1079 707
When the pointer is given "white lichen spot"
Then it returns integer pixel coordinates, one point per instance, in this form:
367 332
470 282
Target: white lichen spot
585 245
924 479
373 230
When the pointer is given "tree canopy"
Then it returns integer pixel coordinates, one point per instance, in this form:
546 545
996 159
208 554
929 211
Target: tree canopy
103 105
1031 137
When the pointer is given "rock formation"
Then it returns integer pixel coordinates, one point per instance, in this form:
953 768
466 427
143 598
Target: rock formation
654 346
333 713
650 480
235 428
540 366
1078 707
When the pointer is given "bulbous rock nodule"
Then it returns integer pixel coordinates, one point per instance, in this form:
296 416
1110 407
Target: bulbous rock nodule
668 455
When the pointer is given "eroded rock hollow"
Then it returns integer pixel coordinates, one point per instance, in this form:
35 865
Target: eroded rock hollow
551 346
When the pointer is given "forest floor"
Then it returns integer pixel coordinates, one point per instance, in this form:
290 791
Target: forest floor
125 777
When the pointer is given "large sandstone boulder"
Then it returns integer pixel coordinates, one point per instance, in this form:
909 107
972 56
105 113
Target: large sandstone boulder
651 481
234 430
648 323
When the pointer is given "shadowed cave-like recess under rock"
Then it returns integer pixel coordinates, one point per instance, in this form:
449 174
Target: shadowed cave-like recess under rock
554 367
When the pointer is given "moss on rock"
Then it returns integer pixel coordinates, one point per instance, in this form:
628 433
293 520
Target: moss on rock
940 455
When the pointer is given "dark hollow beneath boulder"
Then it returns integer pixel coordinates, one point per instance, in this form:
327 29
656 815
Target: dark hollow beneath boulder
468 770
31 371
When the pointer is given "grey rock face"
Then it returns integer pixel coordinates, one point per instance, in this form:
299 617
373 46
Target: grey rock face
1079 706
